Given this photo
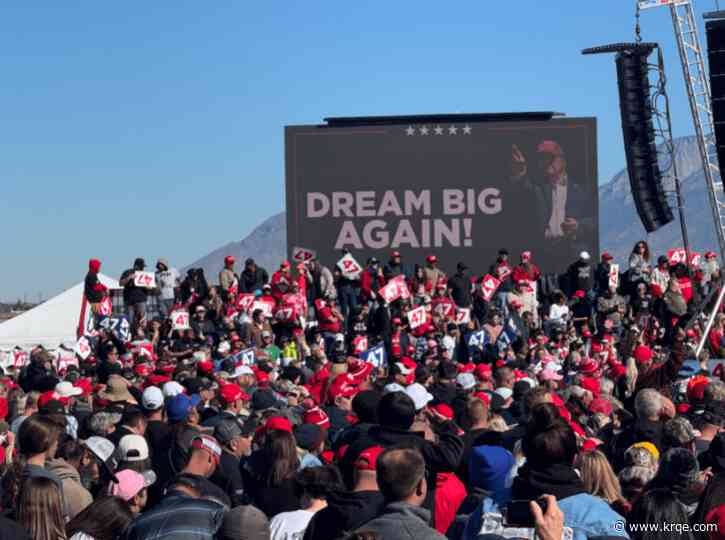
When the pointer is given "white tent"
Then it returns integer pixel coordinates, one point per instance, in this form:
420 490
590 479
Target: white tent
51 323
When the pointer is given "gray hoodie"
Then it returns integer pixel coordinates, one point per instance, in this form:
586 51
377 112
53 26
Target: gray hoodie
401 521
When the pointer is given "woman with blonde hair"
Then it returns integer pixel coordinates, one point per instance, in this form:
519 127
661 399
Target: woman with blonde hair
599 479
40 509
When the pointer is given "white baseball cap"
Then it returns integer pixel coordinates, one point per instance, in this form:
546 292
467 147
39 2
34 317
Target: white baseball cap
393 387
420 396
172 389
66 389
152 398
584 256
132 448
101 447
242 370
466 380
504 392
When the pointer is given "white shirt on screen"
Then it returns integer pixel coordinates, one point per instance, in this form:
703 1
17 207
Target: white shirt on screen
558 209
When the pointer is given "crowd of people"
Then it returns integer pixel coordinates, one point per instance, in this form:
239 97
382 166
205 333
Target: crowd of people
551 406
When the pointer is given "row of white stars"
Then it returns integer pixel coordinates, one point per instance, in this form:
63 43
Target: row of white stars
438 130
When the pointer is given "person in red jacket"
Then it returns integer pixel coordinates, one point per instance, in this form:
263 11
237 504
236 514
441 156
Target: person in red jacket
443 306
371 280
93 289
684 281
329 319
281 280
716 335
526 270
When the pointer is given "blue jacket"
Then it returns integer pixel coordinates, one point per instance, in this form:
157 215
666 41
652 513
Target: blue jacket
587 516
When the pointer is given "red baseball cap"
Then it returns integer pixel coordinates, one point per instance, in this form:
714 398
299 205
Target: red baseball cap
262 378
316 416
483 396
368 458
588 383
278 423
601 405
606 256
342 387
589 445
642 354
579 294
550 147
142 370
444 410
483 372
395 254
45 397
228 260
205 366
696 387
588 367
431 258
232 392
85 385
157 380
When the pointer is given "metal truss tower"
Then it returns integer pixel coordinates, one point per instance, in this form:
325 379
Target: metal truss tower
698 93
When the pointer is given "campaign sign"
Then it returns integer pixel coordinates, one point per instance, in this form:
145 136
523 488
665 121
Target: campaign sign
266 306
476 340
245 301
83 348
416 317
376 356
676 256
180 320
444 309
463 316
247 357
349 267
360 344
695 259
146 280
614 276
302 255
285 314
105 307
489 286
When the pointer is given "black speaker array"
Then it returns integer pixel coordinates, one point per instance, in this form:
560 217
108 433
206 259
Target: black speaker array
645 177
716 55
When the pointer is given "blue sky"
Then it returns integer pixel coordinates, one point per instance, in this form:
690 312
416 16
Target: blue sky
156 128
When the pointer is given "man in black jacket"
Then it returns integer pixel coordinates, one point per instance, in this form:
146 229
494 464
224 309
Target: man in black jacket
235 439
397 413
460 286
253 277
134 297
346 511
